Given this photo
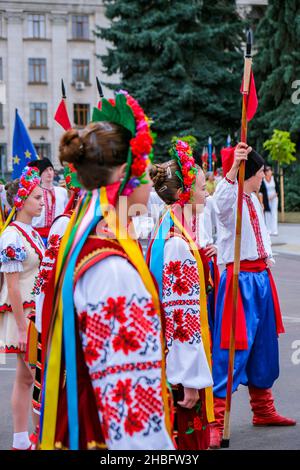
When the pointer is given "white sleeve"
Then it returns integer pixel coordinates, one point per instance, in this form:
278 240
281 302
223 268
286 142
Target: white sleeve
12 251
120 335
186 359
45 272
225 200
59 226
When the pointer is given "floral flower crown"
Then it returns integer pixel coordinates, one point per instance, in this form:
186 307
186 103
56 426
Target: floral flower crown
183 154
127 112
30 178
71 178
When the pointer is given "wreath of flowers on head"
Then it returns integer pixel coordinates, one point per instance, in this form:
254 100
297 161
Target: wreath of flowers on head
71 178
126 111
183 154
30 178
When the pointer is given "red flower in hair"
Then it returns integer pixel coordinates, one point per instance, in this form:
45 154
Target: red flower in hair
22 192
25 183
139 167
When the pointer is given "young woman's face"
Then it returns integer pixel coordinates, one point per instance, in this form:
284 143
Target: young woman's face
199 194
34 203
47 175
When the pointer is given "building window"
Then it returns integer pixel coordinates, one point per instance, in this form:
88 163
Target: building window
81 114
38 115
36 26
81 71
37 70
43 150
3 158
1 70
1 115
80 27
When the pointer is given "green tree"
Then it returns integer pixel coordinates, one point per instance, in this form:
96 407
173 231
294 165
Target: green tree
182 61
280 147
277 69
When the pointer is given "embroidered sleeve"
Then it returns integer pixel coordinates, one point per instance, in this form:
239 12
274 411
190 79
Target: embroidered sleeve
186 360
12 252
46 267
225 199
120 334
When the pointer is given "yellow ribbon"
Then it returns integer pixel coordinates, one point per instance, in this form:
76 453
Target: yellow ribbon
136 257
203 314
54 361
8 220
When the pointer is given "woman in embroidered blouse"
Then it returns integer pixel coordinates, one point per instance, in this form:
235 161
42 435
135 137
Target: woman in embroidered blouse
21 251
118 325
187 365
55 198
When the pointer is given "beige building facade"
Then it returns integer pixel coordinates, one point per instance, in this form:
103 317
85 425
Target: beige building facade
42 42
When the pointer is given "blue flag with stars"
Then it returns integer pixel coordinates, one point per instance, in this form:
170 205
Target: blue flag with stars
23 149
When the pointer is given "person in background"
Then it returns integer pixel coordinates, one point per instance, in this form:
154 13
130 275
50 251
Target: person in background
55 198
21 252
271 216
211 183
219 175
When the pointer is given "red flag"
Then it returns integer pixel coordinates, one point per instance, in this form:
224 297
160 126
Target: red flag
252 101
61 116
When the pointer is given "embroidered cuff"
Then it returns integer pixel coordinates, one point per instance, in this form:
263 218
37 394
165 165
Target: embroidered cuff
229 181
12 267
12 253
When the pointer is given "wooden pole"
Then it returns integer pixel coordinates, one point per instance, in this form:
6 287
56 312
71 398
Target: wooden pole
237 247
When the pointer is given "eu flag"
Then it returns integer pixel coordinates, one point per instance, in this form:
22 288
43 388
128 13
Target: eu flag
23 149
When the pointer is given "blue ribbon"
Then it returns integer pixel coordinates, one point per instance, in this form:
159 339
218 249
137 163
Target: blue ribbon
157 250
70 335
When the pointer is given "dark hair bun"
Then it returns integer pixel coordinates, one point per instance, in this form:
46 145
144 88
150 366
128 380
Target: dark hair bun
70 148
95 151
11 189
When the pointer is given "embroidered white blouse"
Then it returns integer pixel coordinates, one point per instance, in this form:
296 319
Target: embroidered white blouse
51 211
120 334
56 233
207 224
186 359
256 243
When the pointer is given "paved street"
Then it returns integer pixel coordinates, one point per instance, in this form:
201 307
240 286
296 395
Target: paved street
286 389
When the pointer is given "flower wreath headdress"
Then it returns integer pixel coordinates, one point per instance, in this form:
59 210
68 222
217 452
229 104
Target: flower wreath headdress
30 178
183 154
71 178
126 111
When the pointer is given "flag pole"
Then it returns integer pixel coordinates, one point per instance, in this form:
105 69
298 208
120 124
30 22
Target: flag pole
237 247
100 91
63 90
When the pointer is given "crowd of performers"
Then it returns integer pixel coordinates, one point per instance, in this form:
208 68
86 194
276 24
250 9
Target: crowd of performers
120 351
